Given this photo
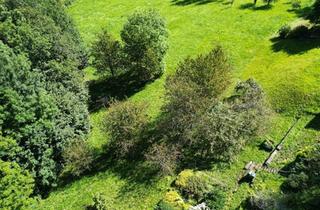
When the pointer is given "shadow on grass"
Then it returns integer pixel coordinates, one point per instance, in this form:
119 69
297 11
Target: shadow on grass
120 87
314 123
294 46
188 2
252 6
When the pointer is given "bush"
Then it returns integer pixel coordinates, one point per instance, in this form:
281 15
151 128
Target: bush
16 186
172 201
196 185
189 92
78 158
261 201
215 199
125 123
163 157
145 43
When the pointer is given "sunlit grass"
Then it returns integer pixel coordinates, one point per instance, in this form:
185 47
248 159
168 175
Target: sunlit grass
286 71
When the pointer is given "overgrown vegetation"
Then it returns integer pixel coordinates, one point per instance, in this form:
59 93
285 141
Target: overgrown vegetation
42 93
284 68
141 53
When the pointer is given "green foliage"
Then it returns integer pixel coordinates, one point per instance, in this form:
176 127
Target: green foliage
262 201
216 199
172 201
42 93
99 202
125 122
304 173
188 92
9 149
196 185
163 157
16 186
314 15
145 43
78 158
107 54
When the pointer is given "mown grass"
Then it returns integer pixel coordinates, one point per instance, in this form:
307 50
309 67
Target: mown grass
287 70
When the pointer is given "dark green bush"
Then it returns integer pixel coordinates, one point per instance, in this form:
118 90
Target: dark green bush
125 122
42 92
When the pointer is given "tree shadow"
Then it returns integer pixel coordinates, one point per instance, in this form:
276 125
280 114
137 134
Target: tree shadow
252 6
294 46
314 123
120 87
188 2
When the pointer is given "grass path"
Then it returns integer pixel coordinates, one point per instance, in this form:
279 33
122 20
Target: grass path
288 72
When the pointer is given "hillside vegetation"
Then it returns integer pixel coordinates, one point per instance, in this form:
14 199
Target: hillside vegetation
287 70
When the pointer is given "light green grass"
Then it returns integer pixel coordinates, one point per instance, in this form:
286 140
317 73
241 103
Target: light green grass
284 73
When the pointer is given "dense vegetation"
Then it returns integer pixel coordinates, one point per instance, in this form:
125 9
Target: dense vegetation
42 93
173 120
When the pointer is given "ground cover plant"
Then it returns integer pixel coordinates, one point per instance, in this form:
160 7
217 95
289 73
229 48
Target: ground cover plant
285 69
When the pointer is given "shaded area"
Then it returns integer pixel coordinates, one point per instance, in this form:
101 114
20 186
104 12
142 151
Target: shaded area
119 87
252 6
187 2
294 46
314 123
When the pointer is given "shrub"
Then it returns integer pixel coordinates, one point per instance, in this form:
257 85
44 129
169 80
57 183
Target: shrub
261 201
145 43
107 54
189 92
196 185
125 122
78 158
163 157
16 186
215 199
172 201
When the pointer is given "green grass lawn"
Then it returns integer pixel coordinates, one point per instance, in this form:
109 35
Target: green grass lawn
288 71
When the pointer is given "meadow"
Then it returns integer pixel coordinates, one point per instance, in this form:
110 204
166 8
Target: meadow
287 70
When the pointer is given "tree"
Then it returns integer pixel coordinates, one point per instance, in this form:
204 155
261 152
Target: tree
145 39
42 92
16 186
107 53
125 122
190 91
